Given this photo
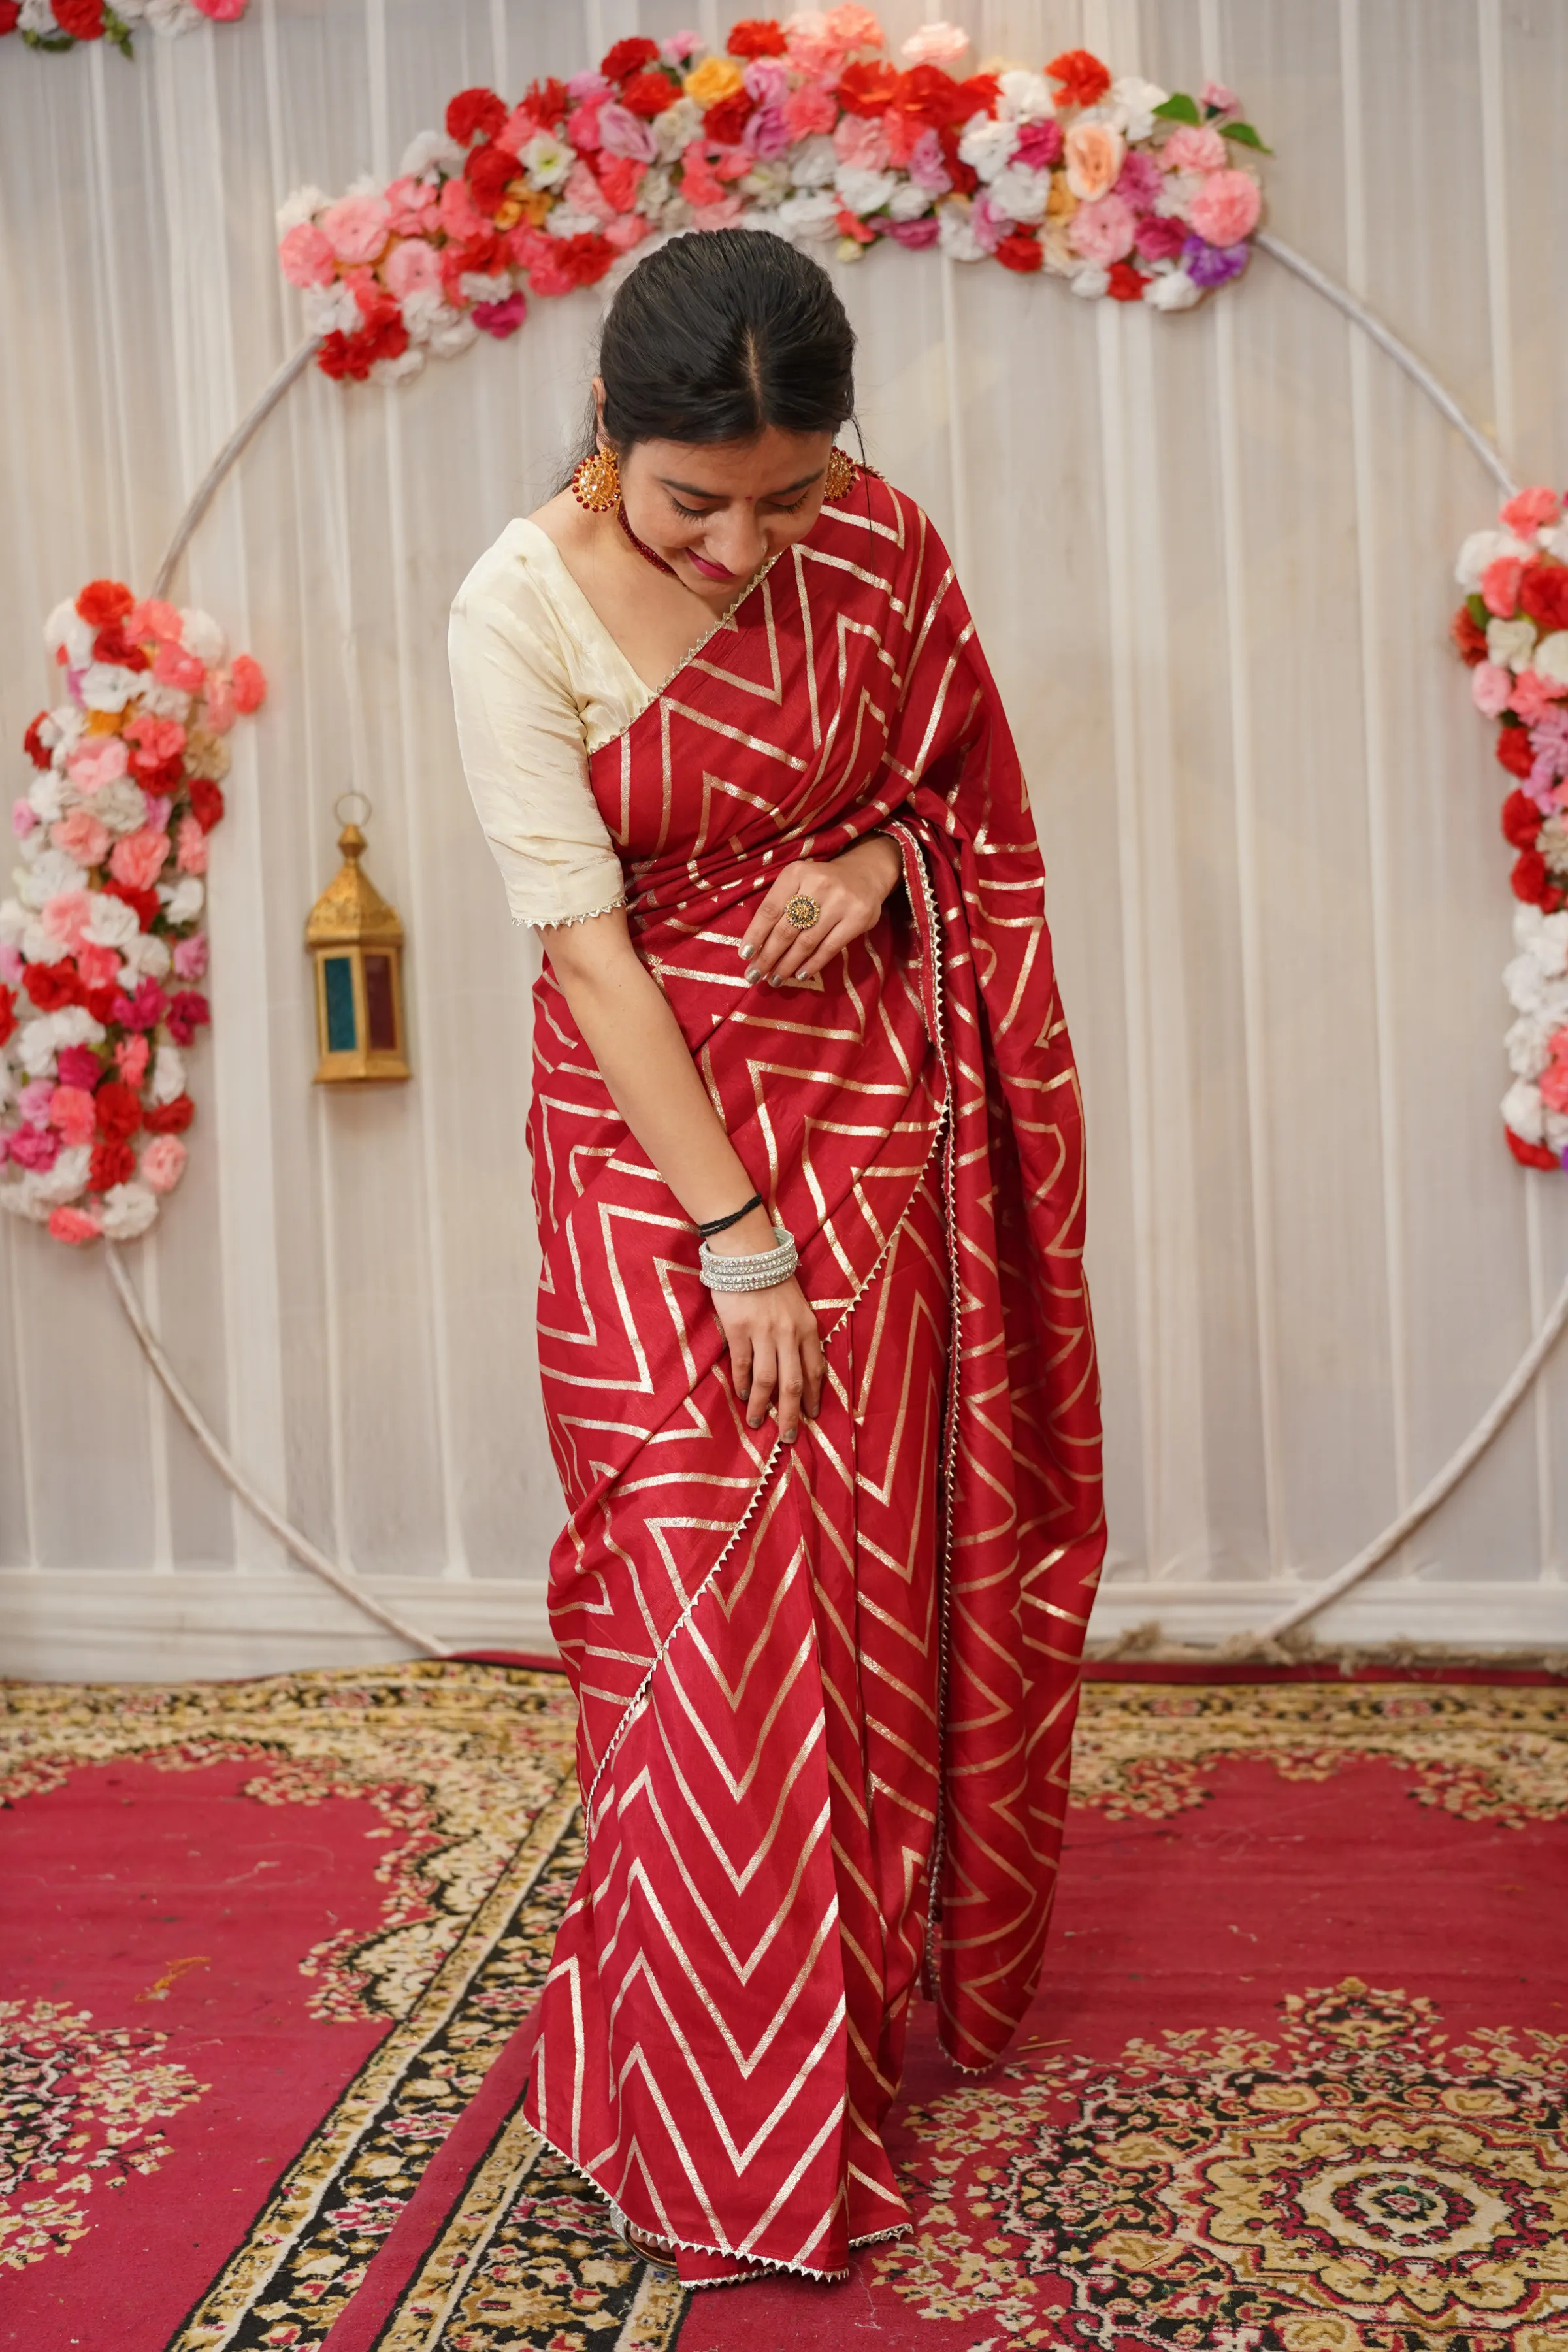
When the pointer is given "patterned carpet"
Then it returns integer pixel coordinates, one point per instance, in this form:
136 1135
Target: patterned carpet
1295 2081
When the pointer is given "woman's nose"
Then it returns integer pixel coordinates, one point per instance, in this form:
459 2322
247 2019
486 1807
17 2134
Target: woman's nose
736 540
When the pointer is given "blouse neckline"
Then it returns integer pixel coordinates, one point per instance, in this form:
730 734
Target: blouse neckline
646 693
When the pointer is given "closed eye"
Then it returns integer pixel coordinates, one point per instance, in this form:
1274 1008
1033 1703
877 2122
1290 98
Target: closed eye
703 514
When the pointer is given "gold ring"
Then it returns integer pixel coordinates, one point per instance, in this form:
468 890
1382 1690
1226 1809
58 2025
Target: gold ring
803 914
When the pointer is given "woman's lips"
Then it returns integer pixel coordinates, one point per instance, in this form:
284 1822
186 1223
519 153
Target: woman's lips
708 570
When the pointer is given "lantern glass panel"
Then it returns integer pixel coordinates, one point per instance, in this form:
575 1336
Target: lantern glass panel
338 986
380 1010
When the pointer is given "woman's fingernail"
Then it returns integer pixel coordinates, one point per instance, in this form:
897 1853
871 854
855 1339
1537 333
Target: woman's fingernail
744 949
772 980
751 972
789 1436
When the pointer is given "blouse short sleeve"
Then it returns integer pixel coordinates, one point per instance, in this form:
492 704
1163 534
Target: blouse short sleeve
524 735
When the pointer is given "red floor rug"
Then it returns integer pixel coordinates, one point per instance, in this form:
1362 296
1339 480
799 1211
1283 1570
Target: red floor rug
1297 2080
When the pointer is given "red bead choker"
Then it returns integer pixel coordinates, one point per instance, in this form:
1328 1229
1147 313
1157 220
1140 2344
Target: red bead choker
646 553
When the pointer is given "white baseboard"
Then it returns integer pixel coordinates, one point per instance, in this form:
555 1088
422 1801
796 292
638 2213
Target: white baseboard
110 1625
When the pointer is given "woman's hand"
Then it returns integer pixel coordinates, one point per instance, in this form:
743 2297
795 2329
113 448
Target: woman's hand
849 889
773 1348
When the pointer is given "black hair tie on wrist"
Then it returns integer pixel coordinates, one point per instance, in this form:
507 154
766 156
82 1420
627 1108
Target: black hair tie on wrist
722 1225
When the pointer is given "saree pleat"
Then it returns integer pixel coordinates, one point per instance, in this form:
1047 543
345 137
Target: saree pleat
814 1683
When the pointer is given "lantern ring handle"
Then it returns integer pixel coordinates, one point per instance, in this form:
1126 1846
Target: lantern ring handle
339 811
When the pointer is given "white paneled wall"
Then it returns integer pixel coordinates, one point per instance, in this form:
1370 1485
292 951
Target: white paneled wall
1210 557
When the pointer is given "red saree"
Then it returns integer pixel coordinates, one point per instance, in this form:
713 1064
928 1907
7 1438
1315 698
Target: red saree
826 1693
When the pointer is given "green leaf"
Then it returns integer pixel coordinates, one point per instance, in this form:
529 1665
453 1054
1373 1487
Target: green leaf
58 42
1476 607
1245 136
1178 108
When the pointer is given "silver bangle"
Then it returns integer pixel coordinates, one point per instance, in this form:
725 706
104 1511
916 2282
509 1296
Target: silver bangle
758 1273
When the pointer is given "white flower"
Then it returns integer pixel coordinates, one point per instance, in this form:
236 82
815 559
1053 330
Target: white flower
476 287
168 1077
121 807
676 128
1549 659
804 216
1511 644
1130 103
330 310
145 955
106 686
65 725
547 160
1482 548
34 1047
168 17
423 312
12 921
1543 936
814 163
1091 282
182 904
1555 542
1023 97
200 634
127 1210
1019 193
1523 1110
42 947
50 795
65 627
907 202
300 207
654 191
50 873
447 340
73 1024
862 191
66 1179
765 184
397 370
111 923
38 17
986 146
165 701
1174 201
1525 1044
1173 289
428 152
564 221
954 236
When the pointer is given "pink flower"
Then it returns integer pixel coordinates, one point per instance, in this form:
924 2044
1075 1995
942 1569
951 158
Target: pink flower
459 215
810 109
155 741
1533 509
628 230
582 129
859 139
66 918
222 12
35 1147
1533 695
1491 688
78 1065
1194 147
98 966
1103 231
1500 586
1094 158
813 48
173 666
412 267
191 847
766 80
138 858
130 1056
622 132
498 318
75 1225
248 684
928 169
680 47
1039 146
1139 182
162 1163
154 619
1223 100
305 255
142 1010
218 703
155 812
24 817
935 45
72 1112
33 1101
915 234
11 966
191 956
356 227
1160 240
411 207
856 27
99 760
1227 207
584 194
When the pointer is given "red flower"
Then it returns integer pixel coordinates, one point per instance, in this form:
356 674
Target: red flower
1528 878
143 904
166 776
978 95
101 1002
188 1012
102 600
1529 1155
7 1001
1520 821
726 119
113 644
355 355
32 743
1543 595
756 37
867 87
78 1065
475 114
1470 641
170 1117
487 171
583 258
10 10
547 101
117 1110
83 20
1082 78
851 224
965 178
934 99
113 1163
1513 750
618 64
1126 284
648 94
206 803
1021 249
53 986
143 1010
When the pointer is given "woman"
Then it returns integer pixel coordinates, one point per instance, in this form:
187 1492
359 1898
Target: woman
833 1468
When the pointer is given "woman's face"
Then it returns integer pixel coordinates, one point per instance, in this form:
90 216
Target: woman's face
716 511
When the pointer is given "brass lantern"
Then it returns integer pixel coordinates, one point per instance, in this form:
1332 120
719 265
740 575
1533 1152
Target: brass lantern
356 939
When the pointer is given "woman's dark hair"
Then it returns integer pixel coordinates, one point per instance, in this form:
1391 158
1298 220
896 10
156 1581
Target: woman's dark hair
719 335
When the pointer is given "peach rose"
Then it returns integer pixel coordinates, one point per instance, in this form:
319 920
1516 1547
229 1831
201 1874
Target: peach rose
1094 155
139 859
1227 207
162 1163
356 227
80 835
1194 147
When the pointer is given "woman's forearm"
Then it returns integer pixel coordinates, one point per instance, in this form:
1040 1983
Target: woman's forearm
647 1065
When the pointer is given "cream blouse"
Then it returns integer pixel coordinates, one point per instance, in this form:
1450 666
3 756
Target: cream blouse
539 683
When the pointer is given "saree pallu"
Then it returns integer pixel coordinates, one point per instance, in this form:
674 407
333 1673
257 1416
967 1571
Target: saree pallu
826 1691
